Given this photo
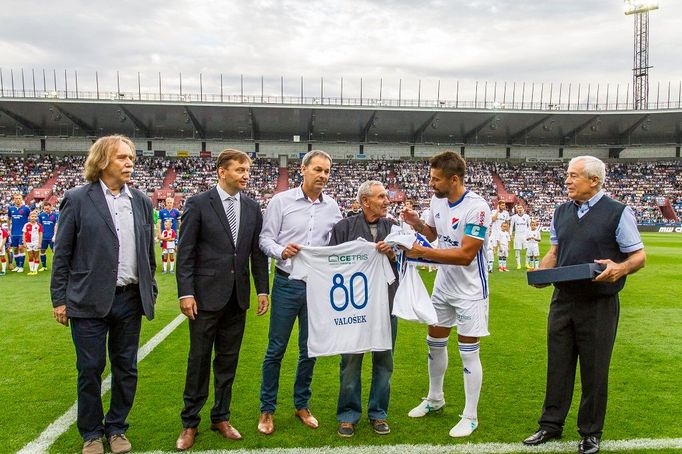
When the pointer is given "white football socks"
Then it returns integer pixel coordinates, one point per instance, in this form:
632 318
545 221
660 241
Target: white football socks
473 377
438 364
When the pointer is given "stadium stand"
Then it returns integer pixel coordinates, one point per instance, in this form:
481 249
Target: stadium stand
537 185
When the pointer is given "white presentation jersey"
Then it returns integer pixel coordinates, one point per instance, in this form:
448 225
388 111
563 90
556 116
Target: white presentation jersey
347 296
502 216
520 225
469 216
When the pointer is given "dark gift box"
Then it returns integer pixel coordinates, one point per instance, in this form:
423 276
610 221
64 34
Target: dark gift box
565 273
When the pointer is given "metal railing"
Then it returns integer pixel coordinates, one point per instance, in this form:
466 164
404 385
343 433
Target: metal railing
480 96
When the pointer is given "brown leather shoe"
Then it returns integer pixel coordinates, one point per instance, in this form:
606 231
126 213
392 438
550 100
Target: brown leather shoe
225 429
186 438
119 444
266 423
307 418
94 446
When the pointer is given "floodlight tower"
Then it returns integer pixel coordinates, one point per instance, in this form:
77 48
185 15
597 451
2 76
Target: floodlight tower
640 69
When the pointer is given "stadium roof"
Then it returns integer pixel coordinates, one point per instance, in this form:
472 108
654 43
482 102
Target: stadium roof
334 123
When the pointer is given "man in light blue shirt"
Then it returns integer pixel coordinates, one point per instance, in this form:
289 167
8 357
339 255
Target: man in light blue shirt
583 315
302 216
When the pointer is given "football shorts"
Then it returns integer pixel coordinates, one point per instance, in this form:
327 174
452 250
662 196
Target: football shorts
470 317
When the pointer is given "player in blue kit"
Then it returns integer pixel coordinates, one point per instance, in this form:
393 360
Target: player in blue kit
18 217
48 219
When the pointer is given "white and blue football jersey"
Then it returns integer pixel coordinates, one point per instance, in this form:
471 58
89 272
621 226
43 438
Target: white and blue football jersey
347 297
468 216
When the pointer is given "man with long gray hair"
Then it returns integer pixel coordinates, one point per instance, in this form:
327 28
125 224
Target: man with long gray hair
102 283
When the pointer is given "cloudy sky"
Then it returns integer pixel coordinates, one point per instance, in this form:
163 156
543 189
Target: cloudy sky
536 41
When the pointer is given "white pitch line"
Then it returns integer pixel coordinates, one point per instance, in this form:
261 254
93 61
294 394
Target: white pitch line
58 427
466 448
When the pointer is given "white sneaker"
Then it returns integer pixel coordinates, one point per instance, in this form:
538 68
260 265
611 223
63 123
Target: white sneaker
464 427
425 407
18 270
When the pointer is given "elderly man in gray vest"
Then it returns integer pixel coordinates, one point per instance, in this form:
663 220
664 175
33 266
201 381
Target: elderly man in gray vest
583 315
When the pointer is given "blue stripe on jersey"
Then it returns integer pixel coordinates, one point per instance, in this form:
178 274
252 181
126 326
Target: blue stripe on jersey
457 202
482 270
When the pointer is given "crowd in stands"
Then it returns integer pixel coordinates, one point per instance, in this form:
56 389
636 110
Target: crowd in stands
19 174
195 175
637 184
538 185
70 174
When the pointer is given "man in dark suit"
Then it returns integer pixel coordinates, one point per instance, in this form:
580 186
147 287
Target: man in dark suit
102 282
372 225
219 234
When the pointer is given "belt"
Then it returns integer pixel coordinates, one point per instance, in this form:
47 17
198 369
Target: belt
126 288
281 272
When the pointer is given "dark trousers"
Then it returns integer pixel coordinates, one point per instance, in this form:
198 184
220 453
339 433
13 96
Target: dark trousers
122 324
222 330
584 329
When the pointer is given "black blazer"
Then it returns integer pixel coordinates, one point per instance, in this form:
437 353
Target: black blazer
209 265
85 262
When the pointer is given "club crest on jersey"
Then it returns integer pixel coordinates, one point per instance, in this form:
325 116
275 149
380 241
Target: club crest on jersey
455 223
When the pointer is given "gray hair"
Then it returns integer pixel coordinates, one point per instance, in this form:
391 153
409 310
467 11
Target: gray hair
313 153
593 167
365 189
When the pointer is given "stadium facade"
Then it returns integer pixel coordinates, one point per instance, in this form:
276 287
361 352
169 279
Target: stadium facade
357 129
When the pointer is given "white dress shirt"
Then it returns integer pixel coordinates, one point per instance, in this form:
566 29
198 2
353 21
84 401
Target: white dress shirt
291 217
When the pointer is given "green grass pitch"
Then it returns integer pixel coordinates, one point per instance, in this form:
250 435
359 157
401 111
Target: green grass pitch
38 375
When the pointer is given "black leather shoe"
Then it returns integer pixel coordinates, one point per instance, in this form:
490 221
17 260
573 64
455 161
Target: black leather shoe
540 437
589 445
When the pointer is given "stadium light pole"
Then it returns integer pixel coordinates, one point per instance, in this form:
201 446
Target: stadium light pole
640 69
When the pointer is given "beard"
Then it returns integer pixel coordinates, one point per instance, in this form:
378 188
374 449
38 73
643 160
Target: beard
440 194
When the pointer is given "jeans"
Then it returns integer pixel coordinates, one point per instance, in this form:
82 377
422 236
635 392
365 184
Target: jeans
288 303
349 408
122 324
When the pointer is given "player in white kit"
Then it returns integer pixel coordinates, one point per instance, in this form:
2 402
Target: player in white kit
459 219
519 228
499 216
533 245
503 238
